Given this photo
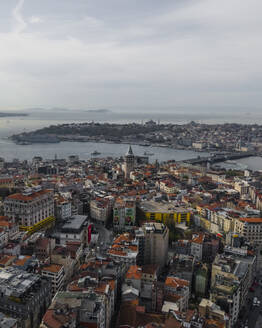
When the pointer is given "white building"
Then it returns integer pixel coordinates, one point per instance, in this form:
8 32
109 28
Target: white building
180 289
124 249
250 228
3 238
30 207
63 209
74 230
100 210
56 273
197 246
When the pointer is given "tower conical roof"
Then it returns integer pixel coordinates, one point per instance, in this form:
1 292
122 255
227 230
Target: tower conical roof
130 152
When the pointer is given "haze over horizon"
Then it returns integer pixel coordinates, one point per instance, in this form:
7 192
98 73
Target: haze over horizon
192 56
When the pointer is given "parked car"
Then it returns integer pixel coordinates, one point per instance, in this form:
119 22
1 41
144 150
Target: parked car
256 302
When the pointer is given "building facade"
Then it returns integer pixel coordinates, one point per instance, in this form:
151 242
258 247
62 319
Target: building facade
124 214
155 243
31 207
24 296
56 273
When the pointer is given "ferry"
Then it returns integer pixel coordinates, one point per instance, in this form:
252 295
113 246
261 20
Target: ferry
146 153
95 153
23 143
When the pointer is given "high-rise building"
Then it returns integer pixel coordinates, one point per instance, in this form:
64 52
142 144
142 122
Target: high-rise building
232 275
153 236
129 162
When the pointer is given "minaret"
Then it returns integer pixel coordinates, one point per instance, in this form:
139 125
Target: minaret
129 162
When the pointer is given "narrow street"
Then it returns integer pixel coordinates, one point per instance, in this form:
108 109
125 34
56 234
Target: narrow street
105 236
253 314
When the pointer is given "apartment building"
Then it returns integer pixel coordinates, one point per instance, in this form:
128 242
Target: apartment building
124 249
74 230
63 209
204 246
230 280
242 187
124 214
61 255
250 229
168 186
212 311
3 238
155 243
56 273
30 207
7 322
100 210
24 296
180 289
76 309
182 266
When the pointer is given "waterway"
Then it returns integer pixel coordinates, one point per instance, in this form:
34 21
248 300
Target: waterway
253 163
10 150
39 119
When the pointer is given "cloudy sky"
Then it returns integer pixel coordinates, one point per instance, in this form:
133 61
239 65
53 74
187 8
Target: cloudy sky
131 53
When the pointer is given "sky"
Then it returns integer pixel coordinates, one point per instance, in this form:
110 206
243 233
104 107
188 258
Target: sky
193 55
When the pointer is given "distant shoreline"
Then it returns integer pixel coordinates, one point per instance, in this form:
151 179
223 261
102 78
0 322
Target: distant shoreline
2 114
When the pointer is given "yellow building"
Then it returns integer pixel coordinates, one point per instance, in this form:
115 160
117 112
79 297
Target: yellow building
165 212
6 182
206 224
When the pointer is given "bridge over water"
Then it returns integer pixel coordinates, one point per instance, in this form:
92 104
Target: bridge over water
219 158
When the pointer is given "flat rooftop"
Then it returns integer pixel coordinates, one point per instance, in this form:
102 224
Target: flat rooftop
75 223
161 207
6 322
15 282
156 227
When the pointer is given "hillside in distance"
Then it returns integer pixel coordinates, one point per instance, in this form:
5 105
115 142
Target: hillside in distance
12 114
92 129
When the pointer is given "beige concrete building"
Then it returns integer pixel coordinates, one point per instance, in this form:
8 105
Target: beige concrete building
242 187
30 207
230 280
56 273
179 289
155 243
210 310
250 228
100 210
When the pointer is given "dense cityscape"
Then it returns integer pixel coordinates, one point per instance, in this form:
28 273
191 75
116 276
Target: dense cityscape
130 164
127 243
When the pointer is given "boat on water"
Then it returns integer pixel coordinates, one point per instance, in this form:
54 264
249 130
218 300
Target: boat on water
24 143
95 153
144 144
146 153
160 145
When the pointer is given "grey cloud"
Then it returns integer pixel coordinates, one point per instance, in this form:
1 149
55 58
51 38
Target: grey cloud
145 52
